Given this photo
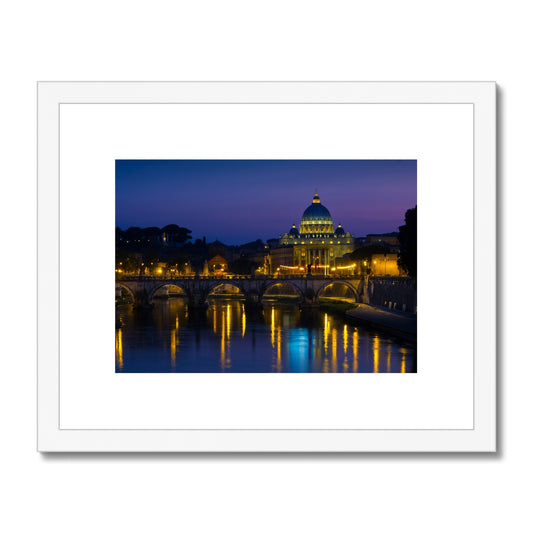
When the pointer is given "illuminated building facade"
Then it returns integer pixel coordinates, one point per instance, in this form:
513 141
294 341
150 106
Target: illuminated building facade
217 265
316 244
385 264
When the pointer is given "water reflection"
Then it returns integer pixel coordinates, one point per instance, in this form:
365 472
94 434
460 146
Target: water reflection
230 337
375 351
119 361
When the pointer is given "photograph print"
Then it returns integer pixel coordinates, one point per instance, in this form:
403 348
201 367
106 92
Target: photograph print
265 266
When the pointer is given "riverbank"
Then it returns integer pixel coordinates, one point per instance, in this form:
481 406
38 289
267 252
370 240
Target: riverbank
401 324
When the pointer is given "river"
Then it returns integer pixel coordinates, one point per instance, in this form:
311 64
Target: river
228 336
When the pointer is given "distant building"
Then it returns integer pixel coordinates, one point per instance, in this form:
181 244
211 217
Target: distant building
254 251
389 239
316 243
280 261
218 265
385 265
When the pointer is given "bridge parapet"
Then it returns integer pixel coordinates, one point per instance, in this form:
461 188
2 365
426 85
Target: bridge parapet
392 280
126 277
253 288
392 293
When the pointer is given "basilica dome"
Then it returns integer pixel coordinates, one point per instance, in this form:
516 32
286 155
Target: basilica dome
316 219
339 232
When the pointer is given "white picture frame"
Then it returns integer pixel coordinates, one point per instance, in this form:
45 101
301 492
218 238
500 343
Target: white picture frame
457 298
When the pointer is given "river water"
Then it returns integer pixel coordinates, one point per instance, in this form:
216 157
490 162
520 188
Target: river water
228 336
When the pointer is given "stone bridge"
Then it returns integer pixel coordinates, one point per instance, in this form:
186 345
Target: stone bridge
197 289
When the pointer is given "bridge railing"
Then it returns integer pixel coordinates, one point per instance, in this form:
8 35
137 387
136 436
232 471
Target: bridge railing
126 277
392 280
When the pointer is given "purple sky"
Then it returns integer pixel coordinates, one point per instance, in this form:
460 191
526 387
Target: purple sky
238 201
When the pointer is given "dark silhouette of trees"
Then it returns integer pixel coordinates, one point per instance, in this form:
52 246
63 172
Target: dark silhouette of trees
150 259
135 238
408 238
127 262
178 261
174 234
242 266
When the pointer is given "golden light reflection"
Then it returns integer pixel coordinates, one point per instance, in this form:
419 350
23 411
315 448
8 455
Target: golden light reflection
223 343
334 350
345 339
376 354
118 348
403 351
173 348
223 337
388 357
215 319
243 320
228 320
278 359
326 333
273 329
355 348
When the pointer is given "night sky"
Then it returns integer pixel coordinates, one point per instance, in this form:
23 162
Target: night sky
239 201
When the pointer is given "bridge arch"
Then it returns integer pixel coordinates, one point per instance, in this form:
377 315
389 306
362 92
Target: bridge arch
212 288
350 289
159 286
123 286
276 282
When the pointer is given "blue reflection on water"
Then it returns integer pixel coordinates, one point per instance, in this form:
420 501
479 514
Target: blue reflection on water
298 347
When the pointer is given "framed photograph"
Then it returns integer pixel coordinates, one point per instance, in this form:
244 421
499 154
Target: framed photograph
238 266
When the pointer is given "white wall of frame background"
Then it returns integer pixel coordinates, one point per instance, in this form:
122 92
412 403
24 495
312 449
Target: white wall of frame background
281 40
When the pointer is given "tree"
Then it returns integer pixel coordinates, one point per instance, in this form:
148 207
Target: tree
178 261
242 266
150 259
175 234
408 239
128 263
